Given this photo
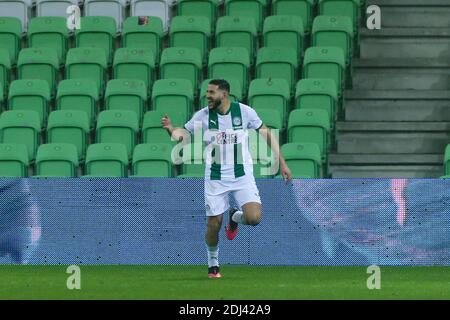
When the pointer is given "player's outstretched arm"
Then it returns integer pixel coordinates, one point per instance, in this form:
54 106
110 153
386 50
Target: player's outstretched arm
178 134
273 144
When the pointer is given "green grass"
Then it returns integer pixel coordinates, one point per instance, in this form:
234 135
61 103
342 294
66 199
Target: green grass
238 282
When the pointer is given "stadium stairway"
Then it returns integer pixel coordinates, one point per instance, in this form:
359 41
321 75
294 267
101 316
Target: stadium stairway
397 115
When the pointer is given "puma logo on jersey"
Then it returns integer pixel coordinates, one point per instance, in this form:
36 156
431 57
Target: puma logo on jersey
213 122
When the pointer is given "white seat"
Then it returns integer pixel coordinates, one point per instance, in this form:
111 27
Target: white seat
158 8
20 9
110 8
54 8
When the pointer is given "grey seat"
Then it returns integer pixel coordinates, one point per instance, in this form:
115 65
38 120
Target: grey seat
20 9
53 8
156 8
110 8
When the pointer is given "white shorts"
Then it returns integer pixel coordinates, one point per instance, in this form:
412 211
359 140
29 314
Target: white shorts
243 189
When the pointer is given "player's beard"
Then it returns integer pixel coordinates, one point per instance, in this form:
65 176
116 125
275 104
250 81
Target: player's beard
215 104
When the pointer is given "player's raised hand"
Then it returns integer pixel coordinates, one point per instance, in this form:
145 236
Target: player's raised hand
166 123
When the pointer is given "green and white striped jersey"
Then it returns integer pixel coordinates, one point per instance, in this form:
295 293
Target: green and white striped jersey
226 138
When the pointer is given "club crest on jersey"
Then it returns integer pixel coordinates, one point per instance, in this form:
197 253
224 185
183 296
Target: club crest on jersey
237 121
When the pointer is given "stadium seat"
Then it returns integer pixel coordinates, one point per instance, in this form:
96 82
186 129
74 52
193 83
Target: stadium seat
10 37
2 97
39 63
49 32
152 160
303 159
284 31
237 32
447 160
236 93
318 94
301 8
347 8
69 126
182 63
277 62
143 36
191 32
111 8
53 8
57 160
152 130
273 120
132 63
158 8
87 63
21 127
261 155
30 95
230 63
14 160
106 160
97 32
5 68
254 9
173 95
202 8
325 62
330 31
127 94
272 94
310 125
117 126
193 163
78 94
20 9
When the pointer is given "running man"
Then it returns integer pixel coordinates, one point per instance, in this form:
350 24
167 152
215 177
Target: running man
229 168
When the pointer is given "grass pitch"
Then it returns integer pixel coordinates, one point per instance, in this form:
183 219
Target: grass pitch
238 282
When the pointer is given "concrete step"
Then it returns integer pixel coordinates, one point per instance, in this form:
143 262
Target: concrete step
397 105
401 74
406 43
413 13
392 137
390 171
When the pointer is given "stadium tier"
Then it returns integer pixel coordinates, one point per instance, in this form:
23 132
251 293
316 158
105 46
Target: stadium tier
299 63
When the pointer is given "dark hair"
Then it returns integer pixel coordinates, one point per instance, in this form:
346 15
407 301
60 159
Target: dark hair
222 84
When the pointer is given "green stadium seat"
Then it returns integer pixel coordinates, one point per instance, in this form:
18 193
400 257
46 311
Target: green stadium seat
273 120
317 94
330 31
173 95
57 160
11 37
310 125
237 32
347 8
236 93
2 97
262 156
272 94
301 8
39 63
80 95
132 63
97 32
14 160
254 9
182 63
325 62
117 126
284 31
202 8
230 63
152 160
191 32
193 163
159 8
69 126
152 130
447 160
277 62
127 94
143 36
87 63
303 159
5 68
49 32
30 95
106 160
21 127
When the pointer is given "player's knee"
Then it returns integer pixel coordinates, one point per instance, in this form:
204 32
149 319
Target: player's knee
253 219
214 225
